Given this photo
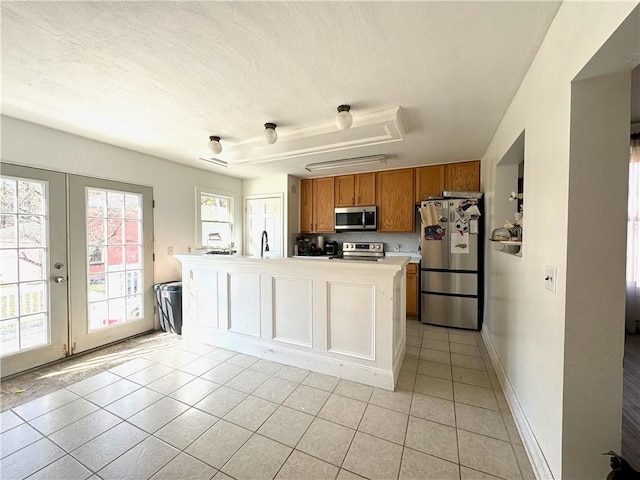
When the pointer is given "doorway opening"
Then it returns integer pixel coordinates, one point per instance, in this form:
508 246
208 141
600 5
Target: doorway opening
264 214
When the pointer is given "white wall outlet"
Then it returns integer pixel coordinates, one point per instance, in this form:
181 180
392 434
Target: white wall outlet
169 250
550 277
396 247
189 248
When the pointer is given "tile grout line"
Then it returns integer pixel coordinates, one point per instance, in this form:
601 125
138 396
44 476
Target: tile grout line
255 432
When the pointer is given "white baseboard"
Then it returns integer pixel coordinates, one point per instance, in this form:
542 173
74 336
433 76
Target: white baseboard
338 367
531 446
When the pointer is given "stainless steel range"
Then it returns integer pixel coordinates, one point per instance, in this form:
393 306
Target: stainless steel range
363 251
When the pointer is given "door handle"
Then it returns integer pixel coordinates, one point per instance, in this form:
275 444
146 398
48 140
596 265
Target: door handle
60 279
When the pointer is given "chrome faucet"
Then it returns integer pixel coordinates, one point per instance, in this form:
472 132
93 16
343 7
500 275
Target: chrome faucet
264 243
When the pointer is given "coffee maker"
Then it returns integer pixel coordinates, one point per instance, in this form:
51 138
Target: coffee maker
331 248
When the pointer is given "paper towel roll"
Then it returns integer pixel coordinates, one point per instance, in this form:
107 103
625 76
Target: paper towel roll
320 242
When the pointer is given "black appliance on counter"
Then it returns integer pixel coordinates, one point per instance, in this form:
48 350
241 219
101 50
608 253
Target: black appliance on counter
330 248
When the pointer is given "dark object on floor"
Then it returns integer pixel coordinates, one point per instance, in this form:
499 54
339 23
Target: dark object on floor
169 298
620 469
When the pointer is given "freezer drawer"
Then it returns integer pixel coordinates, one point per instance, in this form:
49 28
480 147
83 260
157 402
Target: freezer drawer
449 282
449 311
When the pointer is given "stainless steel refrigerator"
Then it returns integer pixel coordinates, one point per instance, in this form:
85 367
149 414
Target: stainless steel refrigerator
450 269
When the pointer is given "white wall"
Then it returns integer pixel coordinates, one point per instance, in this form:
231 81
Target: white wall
532 329
173 184
596 262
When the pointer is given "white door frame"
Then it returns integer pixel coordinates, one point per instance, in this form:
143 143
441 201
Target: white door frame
81 338
57 263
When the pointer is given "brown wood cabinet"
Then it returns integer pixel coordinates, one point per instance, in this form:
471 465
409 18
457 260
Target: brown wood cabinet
395 200
412 290
316 205
463 176
395 192
323 209
306 206
353 190
429 181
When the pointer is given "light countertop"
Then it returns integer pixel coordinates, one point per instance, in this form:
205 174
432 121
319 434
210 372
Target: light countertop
391 261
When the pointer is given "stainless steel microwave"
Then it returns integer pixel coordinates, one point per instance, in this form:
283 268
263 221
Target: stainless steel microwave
356 218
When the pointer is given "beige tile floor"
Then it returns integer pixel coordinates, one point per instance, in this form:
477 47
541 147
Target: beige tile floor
194 411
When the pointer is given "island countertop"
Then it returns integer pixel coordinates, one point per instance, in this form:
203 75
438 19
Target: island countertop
339 317
394 262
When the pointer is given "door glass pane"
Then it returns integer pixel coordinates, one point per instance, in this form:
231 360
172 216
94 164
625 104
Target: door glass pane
96 231
8 231
114 234
31 197
96 204
31 264
9 337
24 260
97 287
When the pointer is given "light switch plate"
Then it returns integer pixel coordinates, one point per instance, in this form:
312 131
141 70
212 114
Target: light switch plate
550 278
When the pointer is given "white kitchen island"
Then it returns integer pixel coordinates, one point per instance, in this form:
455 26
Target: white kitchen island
337 317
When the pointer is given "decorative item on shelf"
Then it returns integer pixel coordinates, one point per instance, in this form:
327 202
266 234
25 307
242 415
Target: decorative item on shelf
516 196
214 144
515 227
270 135
344 118
499 235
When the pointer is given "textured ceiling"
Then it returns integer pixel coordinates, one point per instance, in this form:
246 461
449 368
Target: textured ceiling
160 77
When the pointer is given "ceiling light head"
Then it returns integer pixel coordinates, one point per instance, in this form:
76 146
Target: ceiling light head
344 118
270 135
214 145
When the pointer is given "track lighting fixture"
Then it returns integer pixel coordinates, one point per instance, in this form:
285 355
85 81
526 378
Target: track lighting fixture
270 135
214 145
344 118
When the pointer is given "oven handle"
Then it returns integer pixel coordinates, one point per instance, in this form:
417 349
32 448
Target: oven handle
363 220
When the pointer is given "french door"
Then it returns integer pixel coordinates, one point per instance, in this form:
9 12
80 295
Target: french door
34 326
77 266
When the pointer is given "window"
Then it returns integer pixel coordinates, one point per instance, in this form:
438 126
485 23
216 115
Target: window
215 220
115 270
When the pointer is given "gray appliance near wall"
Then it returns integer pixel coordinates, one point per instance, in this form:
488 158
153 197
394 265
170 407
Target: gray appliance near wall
451 264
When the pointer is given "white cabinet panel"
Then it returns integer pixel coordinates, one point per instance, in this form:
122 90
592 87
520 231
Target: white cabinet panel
292 310
206 282
244 303
351 318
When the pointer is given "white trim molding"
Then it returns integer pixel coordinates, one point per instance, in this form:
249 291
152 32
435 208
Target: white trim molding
531 446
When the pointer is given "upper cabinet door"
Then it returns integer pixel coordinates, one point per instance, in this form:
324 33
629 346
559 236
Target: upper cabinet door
429 181
463 176
306 206
395 200
365 189
323 201
345 192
